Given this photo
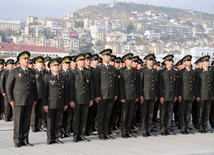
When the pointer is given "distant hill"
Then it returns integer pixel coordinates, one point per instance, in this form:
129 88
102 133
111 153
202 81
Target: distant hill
122 10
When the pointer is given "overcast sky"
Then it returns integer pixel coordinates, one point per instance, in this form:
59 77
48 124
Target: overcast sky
20 9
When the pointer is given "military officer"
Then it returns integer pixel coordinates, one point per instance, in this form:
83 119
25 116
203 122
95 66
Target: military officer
83 98
2 61
67 115
55 100
73 62
136 119
149 94
168 95
46 61
4 77
22 95
105 94
112 60
36 118
128 94
90 124
198 67
204 94
186 94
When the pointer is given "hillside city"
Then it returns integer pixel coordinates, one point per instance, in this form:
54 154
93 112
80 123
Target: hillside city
123 27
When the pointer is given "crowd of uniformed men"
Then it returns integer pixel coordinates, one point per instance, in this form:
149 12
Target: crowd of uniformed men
87 93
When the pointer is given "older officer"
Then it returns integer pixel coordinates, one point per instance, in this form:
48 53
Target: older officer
22 95
55 101
186 94
148 90
168 95
105 94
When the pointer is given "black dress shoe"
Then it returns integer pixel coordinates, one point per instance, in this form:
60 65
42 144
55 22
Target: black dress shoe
67 135
153 130
109 137
189 132
50 141
201 131
132 135
82 138
144 135
35 130
150 134
207 131
102 137
183 132
170 133
124 135
17 145
128 135
26 144
58 141
75 139
42 129
133 131
163 133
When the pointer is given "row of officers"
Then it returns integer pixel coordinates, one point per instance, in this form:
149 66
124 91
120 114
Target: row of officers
85 93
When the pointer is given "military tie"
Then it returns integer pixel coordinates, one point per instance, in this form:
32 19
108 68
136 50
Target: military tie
57 77
26 71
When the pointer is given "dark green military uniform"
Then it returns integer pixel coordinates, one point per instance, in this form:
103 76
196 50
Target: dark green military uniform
105 83
4 76
21 88
169 93
204 85
92 111
83 94
36 118
128 92
68 113
195 103
186 89
56 97
149 91
1 97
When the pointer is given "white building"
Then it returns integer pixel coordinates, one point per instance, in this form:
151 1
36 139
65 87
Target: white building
198 52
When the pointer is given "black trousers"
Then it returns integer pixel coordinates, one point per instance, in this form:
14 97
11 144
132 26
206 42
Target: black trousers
156 107
147 110
92 114
54 123
67 120
104 111
116 111
185 108
22 116
195 113
1 106
211 119
203 114
80 113
36 117
127 114
176 112
166 111
8 109
137 114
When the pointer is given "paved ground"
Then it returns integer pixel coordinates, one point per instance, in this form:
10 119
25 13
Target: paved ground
180 144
